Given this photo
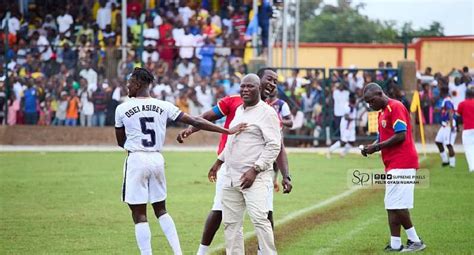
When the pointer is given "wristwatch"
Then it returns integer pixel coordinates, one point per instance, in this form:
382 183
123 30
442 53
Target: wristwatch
288 177
377 147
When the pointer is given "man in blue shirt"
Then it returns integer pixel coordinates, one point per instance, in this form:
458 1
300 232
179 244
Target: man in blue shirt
29 103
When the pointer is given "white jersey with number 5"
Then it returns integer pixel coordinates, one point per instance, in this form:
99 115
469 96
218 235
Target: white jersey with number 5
145 121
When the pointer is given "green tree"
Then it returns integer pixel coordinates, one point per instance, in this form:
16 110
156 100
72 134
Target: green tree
308 8
344 23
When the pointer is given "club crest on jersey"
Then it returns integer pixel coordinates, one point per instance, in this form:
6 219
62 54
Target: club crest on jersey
384 123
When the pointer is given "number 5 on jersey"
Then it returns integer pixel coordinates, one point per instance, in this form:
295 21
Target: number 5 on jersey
147 131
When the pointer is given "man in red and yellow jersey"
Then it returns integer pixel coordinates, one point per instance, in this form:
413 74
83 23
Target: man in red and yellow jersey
227 107
399 156
466 111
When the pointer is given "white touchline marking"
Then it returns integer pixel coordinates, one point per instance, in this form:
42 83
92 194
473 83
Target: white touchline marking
296 214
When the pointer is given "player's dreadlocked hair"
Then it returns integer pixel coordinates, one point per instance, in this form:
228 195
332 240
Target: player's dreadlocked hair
143 76
261 71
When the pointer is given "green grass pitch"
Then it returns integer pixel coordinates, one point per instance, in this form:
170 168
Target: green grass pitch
69 203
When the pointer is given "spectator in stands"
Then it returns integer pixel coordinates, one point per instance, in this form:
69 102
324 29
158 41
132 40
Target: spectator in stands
294 81
264 14
115 94
165 27
90 75
104 15
426 100
204 95
87 106
60 118
234 86
185 12
340 96
30 104
185 68
166 49
112 56
308 100
69 56
238 23
182 101
99 100
46 113
186 42
72 111
65 22
362 113
207 61
457 90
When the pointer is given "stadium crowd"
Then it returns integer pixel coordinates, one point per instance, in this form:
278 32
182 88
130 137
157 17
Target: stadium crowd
65 65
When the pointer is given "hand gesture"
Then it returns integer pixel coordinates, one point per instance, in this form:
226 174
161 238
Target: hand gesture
368 149
276 187
212 175
286 184
248 178
237 129
184 134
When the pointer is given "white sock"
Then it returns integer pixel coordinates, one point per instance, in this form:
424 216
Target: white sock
395 242
202 249
169 229
452 161
259 252
411 234
444 156
347 147
143 236
335 146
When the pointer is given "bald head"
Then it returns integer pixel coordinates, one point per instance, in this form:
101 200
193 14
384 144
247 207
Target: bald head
375 97
250 89
372 88
251 78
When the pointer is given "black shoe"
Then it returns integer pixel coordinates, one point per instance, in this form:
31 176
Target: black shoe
445 164
389 248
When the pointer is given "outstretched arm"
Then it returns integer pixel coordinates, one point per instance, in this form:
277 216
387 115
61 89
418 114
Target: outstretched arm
209 115
204 124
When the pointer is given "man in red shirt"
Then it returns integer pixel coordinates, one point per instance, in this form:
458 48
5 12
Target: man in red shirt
227 107
166 48
399 156
466 111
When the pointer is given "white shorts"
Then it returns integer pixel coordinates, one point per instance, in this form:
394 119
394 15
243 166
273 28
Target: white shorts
348 135
217 205
221 180
144 178
270 193
399 196
445 136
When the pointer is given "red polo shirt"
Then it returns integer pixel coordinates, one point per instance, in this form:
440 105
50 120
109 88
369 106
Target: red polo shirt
466 110
392 119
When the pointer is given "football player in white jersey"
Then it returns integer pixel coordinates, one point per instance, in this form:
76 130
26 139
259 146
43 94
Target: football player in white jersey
347 128
140 126
446 135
